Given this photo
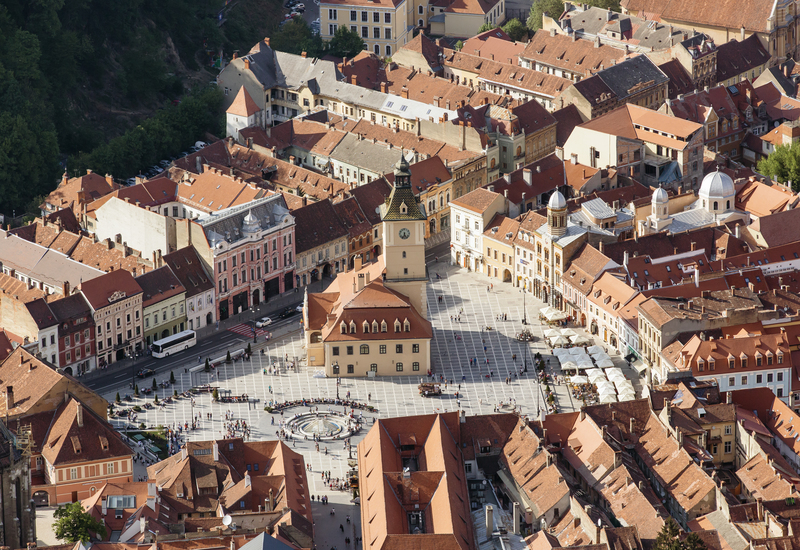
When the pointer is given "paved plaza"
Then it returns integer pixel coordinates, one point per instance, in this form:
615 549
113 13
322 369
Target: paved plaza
454 343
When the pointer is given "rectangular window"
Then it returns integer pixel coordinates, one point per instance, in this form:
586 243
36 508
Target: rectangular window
364 17
769 377
387 32
744 380
414 348
376 17
335 350
780 377
398 348
350 369
415 366
759 379
732 381
728 429
727 447
376 33
382 349
332 15
364 34
387 17
349 350
399 367
353 15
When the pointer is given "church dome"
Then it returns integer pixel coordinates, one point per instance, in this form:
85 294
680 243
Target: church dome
660 196
717 185
557 201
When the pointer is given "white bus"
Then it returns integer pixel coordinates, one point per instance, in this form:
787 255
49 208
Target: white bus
173 344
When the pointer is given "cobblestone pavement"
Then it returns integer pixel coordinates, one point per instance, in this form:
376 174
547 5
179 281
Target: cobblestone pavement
463 294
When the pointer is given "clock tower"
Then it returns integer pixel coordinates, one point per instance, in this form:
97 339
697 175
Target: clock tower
404 240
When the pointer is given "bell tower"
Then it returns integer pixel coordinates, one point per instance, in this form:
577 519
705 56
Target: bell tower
404 240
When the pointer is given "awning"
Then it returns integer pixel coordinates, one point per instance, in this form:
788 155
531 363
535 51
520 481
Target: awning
639 366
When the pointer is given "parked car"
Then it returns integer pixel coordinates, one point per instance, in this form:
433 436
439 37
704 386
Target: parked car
200 144
263 322
288 312
164 164
144 373
299 308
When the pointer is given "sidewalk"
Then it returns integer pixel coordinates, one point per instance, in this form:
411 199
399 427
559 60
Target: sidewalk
273 306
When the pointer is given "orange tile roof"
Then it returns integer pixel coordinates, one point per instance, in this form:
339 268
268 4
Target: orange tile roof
495 43
571 54
243 104
763 480
67 194
477 200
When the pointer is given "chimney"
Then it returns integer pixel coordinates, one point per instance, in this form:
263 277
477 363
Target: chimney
109 179
9 397
354 79
625 258
573 158
603 432
65 288
489 521
632 426
79 415
404 92
304 55
527 175
215 451
383 87
357 262
235 55
184 453
266 41
786 70
728 397
105 506
246 64
271 500
694 246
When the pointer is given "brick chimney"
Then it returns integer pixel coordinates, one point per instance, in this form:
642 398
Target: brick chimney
304 55
79 415
383 87
404 92
354 79
266 41
9 397
246 63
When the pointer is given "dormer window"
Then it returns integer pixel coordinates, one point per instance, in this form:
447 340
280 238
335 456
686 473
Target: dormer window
731 362
397 325
365 327
406 326
384 326
743 359
711 363
780 357
374 326
343 327
403 208
352 327
701 365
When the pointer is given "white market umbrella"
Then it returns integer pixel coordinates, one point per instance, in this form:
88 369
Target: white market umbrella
598 380
608 398
569 365
582 358
579 340
585 365
552 333
568 332
559 352
606 390
600 356
596 372
556 316
547 309
617 379
596 349
559 341
605 363
627 396
577 351
578 380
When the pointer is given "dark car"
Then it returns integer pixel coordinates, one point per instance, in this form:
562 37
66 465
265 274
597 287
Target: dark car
145 373
288 312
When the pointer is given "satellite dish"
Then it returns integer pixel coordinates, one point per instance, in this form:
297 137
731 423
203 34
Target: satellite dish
227 520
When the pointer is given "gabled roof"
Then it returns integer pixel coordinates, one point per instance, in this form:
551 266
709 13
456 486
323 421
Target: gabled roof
568 53
478 200
112 287
735 58
315 225
243 104
77 434
425 46
188 269
159 285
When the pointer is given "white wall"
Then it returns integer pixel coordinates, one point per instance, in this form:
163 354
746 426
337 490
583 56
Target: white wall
140 228
722 378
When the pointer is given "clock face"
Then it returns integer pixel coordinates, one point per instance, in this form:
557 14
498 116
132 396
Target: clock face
405 233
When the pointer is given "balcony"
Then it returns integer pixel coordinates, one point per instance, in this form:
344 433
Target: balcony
123 345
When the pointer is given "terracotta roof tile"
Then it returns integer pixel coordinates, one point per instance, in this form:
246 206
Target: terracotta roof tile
243 104
477 200
575 56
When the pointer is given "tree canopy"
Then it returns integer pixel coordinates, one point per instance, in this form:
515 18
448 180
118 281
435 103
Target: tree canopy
669 539
783 164
297 37
72 524
551 8
345 43
516 30
486 27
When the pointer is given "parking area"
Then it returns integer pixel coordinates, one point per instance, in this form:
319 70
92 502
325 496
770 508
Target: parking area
307 9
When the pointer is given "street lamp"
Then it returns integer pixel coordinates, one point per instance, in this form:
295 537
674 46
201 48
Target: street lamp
255 315
524 312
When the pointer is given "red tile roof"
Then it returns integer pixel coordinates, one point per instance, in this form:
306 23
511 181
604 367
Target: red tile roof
243 104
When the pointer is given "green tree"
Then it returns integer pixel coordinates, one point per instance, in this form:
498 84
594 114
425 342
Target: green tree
155 398
72 524
171 377
551 8
783 164
228 356
459 45
486 27
668 537
612 5
215 395
345 43
296 37
208 364
694 542
117 399
155 384
136 390
516 30
249 352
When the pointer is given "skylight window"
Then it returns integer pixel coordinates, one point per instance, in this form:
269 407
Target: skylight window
390 104
404 107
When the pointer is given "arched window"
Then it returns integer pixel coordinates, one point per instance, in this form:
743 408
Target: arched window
365 327
728 205
343 328
384 326
397 326
374 326
352 327
519 150
715 205
406 326
364 349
